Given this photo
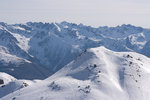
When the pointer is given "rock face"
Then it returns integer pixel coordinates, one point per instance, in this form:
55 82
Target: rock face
22 68
146 49
1 81
53 45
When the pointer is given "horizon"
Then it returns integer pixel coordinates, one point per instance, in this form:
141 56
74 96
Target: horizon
93 13
74 23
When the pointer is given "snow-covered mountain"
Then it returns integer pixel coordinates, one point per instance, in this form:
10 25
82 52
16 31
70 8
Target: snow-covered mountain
47 47
97 74
11 84
21 68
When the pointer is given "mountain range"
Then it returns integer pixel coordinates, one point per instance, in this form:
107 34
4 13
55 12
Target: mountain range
49 61
45 48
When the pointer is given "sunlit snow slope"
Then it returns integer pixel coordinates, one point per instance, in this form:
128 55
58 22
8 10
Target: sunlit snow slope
11 84
97 74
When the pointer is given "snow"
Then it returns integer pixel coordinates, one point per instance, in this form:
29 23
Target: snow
7 58
23 41
6 78
59 41
11 84
21 68
59 29
19 28
97 73
76 55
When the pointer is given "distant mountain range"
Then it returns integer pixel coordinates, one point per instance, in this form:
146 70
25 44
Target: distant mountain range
36 50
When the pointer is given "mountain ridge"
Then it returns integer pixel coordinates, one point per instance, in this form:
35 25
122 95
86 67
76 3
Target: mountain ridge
96 73
53 45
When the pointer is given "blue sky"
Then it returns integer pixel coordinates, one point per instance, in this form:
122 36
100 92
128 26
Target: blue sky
89 12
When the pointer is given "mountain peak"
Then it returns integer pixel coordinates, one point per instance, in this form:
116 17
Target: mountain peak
96 72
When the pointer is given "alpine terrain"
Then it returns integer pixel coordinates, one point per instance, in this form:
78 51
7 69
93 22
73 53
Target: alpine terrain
67 61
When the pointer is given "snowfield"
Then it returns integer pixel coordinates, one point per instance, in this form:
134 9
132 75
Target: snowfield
11 84
97 74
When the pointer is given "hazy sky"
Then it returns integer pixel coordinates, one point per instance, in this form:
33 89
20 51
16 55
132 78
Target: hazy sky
89 12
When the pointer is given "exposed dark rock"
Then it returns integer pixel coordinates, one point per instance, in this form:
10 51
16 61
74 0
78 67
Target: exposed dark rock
1 81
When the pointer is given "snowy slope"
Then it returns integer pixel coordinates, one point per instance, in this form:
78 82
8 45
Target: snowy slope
11 84
97 74
21 68
6 78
